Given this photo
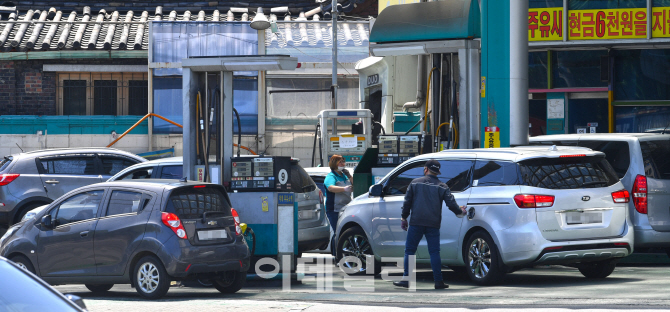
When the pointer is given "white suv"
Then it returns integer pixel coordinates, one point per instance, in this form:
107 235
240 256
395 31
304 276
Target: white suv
642 162
526 206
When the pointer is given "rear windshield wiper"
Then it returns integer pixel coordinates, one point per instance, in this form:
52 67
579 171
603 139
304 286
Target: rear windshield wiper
593 183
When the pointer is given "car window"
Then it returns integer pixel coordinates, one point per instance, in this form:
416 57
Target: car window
112 165
172 172
125 202
655 158
617 153
191 203
456 174
492 173
79 207
26 293
301 182
398 184
4 163
77 165
568 172
139 173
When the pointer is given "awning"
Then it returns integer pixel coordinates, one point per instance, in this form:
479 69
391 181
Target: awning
424 21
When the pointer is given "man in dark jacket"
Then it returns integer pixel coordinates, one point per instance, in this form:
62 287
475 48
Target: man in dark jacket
423 200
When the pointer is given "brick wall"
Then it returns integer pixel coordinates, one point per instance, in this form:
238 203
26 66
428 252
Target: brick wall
26 90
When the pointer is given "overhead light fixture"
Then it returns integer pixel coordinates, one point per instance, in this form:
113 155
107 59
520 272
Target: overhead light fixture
398 50
260 21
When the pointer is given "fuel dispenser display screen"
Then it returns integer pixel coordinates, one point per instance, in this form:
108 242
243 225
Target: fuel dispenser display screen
252 173
395 149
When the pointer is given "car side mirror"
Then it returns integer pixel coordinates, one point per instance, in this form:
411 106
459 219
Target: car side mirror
376 190
46 222
77 301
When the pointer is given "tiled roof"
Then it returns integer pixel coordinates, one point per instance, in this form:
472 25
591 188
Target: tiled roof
106 30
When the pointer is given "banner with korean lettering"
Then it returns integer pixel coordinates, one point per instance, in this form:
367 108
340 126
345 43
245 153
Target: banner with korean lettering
660 22
607 24
547 24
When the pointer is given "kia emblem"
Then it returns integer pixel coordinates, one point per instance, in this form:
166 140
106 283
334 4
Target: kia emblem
586 198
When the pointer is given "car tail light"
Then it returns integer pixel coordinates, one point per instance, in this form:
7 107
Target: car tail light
552 248
8 178
533 201
640 194
621 244
576 155
199 186
173 222
236 216
621 196
321 196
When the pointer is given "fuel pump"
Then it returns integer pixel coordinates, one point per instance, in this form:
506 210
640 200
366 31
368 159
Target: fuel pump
346 132
258 186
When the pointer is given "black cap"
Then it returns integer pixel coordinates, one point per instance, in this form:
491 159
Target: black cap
433 165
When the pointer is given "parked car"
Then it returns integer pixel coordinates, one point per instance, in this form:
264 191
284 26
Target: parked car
318 175
144 233
526 206
313 225
32 179
27 292
641 161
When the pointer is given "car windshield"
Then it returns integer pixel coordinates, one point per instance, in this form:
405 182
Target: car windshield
568 172
191 203
24 293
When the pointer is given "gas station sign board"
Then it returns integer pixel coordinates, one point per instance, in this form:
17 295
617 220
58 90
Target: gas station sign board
546 24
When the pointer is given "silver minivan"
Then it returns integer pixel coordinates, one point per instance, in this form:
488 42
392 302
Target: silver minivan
526 206
641 161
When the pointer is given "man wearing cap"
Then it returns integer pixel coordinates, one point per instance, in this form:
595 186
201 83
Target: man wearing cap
423 200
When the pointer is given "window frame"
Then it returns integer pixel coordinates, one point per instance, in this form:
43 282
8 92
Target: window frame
122 89
97 163
57 206
516 166
123 157
145 195
412 165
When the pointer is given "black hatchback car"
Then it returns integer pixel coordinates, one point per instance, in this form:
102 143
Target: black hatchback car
144 233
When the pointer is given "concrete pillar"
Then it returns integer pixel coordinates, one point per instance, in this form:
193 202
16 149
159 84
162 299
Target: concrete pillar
505 70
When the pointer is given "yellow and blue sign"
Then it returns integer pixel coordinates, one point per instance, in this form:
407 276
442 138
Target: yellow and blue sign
285 199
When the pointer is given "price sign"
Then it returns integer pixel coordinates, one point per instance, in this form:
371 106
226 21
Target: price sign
348 142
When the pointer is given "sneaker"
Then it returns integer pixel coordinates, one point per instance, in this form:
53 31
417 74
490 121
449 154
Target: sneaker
402 284
441 285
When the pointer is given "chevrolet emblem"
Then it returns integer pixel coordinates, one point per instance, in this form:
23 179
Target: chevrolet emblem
211 223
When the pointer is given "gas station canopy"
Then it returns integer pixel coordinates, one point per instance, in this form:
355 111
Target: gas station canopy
426 27
438 20
240 63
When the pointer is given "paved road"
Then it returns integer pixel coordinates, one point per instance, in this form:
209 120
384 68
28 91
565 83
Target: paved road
556 287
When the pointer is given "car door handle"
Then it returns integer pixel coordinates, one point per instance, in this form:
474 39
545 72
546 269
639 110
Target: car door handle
52 181
83 234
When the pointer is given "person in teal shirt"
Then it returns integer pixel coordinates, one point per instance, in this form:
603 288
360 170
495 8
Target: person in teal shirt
338 189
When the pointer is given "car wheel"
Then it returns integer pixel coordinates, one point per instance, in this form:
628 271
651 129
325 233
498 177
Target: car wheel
355 243
600 269
482 261
23 263
151 279
99 288
231 282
